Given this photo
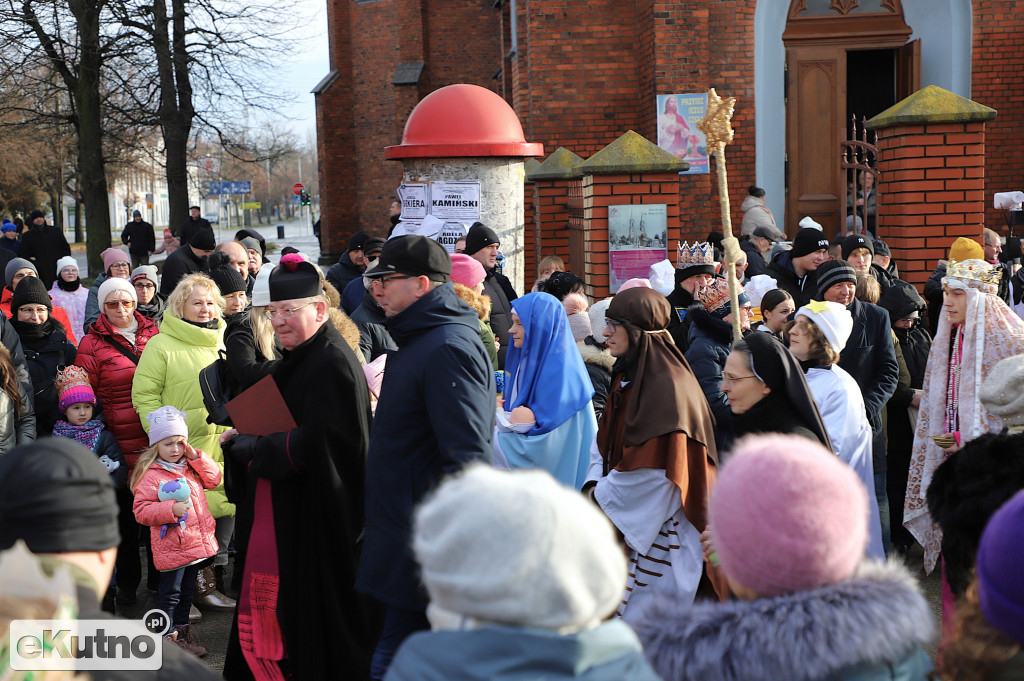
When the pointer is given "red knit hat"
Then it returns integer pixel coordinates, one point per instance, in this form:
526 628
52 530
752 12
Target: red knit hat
787 515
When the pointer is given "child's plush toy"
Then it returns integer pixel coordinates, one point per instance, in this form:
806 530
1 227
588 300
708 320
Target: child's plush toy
175 490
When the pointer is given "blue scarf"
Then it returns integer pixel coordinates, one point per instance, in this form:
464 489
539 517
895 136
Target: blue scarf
547 373
87 434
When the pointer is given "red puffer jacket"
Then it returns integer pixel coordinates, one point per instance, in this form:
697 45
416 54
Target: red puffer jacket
180 545
111 374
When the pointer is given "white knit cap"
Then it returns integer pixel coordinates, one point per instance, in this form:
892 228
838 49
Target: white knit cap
111 284
261 289
834 320
66 261
166 422
662 276
759 285
808 222
517 548
597 311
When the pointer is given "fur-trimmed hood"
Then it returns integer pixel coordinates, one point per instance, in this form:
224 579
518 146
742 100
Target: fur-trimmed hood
592 354
718 330
877 617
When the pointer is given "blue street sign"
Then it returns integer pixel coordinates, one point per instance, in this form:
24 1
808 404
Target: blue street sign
297 198
231 187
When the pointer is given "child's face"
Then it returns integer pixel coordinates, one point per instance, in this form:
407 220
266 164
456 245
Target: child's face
79 414
171 449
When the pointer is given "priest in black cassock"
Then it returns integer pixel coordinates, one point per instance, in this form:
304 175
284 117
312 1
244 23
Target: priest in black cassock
298 616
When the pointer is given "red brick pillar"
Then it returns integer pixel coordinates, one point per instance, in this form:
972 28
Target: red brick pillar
552 180
630 170
931 177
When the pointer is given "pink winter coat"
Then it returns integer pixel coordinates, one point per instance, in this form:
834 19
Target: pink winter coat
196 541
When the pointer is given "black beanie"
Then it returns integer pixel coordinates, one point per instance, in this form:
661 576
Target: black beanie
560 284
30 290
203 239
834 272
293 278
58 497
356 241
808 240
479 237
35 214
228 279
855 241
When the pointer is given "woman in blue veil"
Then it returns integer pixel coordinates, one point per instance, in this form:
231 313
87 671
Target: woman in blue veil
547 420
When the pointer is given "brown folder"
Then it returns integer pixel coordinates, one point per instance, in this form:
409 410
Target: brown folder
261 410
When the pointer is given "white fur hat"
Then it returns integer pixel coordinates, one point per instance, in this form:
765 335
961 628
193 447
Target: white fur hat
662 276
759 285
834 320
517 548
261 289
1000 392
597 311
808 221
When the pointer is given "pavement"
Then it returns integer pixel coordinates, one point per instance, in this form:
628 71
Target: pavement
298 232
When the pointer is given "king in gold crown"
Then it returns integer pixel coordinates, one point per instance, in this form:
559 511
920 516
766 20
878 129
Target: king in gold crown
975 271
700 253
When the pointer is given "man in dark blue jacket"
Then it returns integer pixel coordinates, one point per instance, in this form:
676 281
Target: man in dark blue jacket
870 357
435 414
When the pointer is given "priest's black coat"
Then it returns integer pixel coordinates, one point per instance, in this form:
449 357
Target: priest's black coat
317 473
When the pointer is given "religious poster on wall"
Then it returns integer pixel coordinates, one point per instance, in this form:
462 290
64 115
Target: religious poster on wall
637 238
455 200
677 129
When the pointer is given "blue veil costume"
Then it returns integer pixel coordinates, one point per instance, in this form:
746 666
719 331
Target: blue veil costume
548 375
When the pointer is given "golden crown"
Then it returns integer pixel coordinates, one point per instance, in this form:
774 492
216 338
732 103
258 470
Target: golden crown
716 294
72 377
700 253
974 270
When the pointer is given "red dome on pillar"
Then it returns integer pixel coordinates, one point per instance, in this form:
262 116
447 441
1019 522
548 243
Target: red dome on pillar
463 121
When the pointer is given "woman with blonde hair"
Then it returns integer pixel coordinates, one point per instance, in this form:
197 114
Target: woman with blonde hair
190 338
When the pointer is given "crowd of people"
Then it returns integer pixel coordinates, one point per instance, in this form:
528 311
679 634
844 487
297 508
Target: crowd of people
445 479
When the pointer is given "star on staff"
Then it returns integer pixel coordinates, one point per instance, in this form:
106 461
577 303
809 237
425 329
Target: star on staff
717 122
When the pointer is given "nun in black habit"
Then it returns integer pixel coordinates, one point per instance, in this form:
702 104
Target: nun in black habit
767 391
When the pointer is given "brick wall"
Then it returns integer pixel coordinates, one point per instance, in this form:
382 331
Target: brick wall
931 191
587 77
363 112
601 191
997 62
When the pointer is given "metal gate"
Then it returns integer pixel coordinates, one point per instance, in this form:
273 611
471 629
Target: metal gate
858 161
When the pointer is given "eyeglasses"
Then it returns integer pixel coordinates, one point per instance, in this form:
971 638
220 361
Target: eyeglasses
120 265
114 304
144 286
726 378
383 281
286 312
614 326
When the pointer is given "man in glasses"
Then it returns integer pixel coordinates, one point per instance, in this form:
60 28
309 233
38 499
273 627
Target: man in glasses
308 488
435 414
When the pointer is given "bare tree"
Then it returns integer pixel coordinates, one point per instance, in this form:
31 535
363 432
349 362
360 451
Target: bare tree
205 62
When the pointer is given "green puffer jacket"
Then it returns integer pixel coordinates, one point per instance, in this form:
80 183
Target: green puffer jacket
168 374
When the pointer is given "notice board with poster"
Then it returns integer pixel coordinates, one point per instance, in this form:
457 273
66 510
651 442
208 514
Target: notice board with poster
441 210
637 238
677 129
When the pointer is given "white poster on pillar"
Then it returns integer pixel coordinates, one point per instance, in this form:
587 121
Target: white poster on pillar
455 200
414 201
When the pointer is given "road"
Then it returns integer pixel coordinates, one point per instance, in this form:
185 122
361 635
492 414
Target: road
298 233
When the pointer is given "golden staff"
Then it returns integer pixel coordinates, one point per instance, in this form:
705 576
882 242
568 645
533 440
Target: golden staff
717 128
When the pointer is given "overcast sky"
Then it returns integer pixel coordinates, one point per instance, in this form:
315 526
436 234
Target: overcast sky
306 66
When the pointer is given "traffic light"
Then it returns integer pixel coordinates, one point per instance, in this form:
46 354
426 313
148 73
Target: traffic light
304 198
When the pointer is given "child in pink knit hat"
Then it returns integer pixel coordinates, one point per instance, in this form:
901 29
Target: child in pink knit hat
789 523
